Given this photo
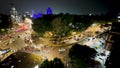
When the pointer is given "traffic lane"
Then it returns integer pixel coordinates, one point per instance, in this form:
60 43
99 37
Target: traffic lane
51 52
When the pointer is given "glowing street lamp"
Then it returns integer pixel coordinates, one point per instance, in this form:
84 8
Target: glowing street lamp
36 66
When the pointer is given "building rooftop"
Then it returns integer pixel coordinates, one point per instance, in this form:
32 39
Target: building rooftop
115 27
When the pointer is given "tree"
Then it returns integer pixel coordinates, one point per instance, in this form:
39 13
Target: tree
4 22
58 26
45 64
41 25
82 55
56 63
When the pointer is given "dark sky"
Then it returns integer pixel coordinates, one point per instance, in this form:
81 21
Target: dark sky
61 6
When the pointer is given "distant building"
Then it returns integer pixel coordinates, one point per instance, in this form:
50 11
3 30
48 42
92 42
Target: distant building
113 44
49 11
15 17
13 11
39 15
34 16
27 14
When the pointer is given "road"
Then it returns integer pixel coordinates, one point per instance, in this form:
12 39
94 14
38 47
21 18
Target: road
44 47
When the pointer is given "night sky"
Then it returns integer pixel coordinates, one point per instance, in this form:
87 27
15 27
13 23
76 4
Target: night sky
62 6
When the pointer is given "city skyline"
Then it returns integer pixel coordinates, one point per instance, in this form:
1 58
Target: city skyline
58 6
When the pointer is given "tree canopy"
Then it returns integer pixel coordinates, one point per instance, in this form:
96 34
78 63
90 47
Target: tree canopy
59 24
82 55
56 63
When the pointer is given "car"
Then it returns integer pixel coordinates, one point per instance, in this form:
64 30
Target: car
61 49
4 51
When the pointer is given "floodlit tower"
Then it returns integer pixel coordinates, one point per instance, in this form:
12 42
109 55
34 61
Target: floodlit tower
34 16
49 11
39 15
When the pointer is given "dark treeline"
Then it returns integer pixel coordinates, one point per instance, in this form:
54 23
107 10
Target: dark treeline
4 22
56 63
64 23
61 23
82 56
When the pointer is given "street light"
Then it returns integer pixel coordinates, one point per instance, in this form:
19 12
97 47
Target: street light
36 66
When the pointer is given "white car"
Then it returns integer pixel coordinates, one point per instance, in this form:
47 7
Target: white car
4 51
61 49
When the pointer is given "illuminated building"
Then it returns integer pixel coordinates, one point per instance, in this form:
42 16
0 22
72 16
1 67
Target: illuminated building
15 18
34 16
39 15
113 35
49 11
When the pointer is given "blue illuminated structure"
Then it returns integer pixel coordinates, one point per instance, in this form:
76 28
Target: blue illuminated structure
49 11
39 15
34 16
